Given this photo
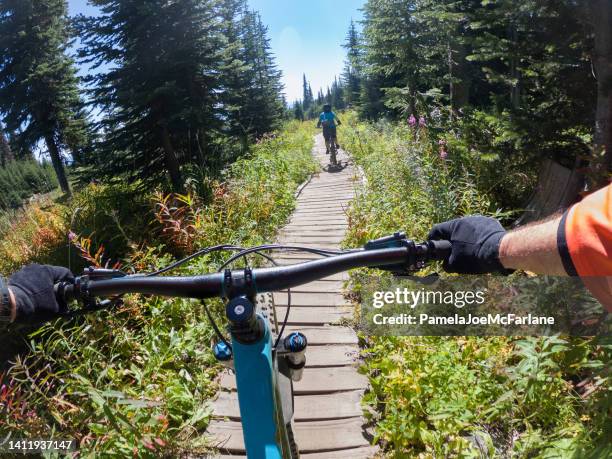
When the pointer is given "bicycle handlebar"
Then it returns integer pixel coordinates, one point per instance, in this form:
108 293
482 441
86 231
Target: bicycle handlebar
409 256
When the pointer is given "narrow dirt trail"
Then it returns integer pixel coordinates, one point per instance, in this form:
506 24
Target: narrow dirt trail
328 415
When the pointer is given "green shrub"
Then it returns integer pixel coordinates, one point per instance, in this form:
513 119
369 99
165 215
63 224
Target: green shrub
135 381
464 397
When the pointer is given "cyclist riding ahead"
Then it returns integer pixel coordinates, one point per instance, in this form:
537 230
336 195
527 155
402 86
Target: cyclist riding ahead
328 120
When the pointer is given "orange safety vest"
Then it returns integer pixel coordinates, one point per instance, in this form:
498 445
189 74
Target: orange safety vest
585 243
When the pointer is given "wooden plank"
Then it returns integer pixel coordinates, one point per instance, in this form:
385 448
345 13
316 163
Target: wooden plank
365 452
312 195
343 276
331 355
311 242
304 227
318 218
311 299
331 214
337 285
313 436
322 200
335 200
299 315
335 231
341 405
306 230
329 206
336 181
320 286
316 381
329 190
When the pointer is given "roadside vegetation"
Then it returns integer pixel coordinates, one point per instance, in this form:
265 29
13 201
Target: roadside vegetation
464 396
134 381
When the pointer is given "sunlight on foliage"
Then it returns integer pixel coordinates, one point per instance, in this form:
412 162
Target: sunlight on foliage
465 396
135 381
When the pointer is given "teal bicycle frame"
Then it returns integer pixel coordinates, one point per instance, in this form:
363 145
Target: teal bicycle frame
258 397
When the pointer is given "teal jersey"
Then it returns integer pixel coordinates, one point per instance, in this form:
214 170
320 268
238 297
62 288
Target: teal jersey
328 119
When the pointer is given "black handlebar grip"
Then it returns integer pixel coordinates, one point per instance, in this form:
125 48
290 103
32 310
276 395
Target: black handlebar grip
64 292
439 250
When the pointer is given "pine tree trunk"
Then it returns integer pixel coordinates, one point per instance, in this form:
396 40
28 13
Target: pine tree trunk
171 161
601 18
6 154
56 160
451 86
461 88
515 91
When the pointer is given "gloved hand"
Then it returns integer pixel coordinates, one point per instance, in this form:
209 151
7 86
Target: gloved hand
33 289
475 244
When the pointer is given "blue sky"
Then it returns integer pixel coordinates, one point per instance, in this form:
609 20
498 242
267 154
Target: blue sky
306 37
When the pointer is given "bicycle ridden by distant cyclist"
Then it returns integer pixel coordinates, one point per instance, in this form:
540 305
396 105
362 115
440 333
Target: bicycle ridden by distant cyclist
328 120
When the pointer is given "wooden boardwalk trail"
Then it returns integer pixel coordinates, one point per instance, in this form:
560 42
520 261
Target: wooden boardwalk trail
328 415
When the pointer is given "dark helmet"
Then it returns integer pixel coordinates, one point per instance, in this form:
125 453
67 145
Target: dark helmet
327 108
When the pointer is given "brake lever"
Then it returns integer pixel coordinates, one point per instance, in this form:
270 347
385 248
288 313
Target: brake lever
94 307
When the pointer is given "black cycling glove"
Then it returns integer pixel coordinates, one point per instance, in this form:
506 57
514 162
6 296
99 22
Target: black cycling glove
474 244
33 289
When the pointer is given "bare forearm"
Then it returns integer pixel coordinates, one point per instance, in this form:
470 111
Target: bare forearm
13 305
533 248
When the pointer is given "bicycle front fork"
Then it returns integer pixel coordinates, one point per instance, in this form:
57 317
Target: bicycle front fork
291 350
263 379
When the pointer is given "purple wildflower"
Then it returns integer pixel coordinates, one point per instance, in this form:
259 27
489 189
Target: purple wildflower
412 121
422 122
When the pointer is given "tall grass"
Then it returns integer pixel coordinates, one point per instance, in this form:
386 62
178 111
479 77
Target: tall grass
464 397
135 381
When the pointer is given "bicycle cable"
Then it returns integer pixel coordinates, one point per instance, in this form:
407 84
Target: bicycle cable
258 249
199 253
323 252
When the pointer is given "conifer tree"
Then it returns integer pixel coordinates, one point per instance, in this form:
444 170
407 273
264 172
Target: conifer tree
337 95
264 95
600 15
159 94
307 98
39 95
6 153
235 71
298 111
352 66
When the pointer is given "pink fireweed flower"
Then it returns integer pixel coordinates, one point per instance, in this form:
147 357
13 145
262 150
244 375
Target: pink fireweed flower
443 153
412 121
441 142
422 122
